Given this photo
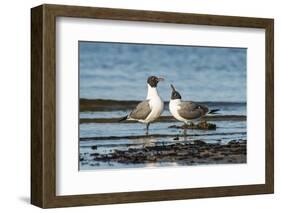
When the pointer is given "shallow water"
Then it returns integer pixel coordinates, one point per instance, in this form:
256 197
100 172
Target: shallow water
105 143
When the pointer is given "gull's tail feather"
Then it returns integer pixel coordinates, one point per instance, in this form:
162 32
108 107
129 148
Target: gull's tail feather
123 118
213 111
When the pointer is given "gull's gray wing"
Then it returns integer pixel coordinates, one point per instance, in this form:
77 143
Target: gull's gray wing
190 110
141 111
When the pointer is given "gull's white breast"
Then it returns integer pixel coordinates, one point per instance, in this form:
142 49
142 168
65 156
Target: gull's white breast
156 104
174 106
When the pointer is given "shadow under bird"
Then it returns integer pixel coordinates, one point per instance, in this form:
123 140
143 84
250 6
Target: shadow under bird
187 111
150 109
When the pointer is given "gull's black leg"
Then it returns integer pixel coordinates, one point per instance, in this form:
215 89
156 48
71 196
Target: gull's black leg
203 120
147 128
184 133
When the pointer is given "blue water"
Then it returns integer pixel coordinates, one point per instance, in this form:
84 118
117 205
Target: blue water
119 71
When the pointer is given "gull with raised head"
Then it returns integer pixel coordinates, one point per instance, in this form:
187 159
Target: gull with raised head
187 111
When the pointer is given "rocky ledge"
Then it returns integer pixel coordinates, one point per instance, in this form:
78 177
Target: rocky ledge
195 152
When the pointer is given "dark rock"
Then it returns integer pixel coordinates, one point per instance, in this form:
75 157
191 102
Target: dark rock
94 164
205 154
185 153
233 142
203 125
94 147
199 142
174 126
176 138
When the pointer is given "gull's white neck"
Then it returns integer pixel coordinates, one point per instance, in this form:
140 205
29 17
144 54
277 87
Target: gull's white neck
175 101
151 92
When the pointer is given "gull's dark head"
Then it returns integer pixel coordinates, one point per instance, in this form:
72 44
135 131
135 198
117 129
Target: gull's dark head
175 94
153 80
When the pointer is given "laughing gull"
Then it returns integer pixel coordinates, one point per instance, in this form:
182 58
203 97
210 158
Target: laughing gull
150 109
187 111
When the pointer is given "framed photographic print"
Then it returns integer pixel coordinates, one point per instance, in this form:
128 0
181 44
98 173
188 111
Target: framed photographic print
137 106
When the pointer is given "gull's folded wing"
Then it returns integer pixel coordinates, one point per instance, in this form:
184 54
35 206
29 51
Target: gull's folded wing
141 111
190 110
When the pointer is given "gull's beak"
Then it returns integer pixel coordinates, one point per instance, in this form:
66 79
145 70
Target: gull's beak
173 88
160 79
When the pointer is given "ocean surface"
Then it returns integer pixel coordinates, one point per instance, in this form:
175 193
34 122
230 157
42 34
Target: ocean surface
117 71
